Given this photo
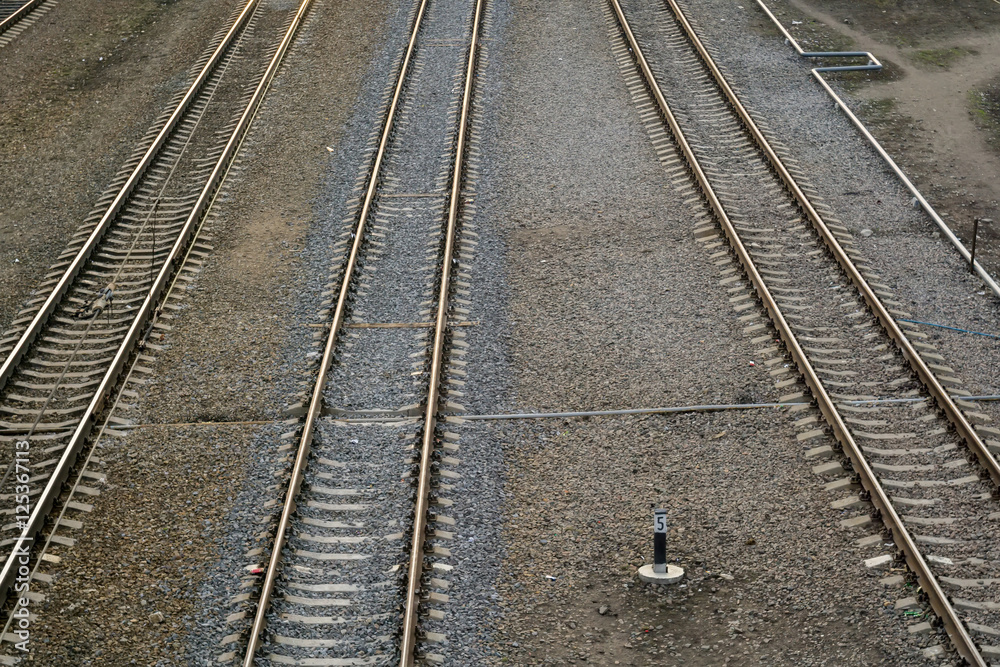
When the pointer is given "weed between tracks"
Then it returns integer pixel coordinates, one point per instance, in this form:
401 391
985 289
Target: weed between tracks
984 105
941 58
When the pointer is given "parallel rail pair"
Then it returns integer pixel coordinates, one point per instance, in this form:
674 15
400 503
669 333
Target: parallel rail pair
430 404
877 494
117 239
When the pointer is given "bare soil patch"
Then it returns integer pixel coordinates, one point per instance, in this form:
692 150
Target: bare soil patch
762 557
985 105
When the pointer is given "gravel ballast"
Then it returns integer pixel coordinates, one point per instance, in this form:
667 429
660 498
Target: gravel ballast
353 529
588 290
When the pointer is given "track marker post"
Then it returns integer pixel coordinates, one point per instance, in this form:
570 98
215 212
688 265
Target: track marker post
975 235
660 572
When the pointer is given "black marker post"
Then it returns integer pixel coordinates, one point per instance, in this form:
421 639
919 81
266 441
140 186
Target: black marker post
660 572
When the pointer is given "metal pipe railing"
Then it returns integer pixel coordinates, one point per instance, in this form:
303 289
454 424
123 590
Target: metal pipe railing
874 64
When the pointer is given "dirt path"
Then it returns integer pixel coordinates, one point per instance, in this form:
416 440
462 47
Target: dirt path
937 98
939 57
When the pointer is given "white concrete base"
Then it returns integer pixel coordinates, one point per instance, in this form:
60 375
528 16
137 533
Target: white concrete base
671 576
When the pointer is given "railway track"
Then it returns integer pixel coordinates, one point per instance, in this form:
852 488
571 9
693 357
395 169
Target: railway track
71 347
16 16
915 471
357 569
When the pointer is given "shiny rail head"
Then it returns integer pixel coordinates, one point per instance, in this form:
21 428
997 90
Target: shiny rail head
417 564
143 316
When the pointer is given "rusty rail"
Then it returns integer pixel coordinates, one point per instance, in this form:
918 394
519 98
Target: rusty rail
938 600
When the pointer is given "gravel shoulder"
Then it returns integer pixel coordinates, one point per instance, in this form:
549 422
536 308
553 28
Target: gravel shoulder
613 303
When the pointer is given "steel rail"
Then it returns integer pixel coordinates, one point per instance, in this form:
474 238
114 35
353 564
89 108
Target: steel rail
917 364
125 259
938 600
416 568
21 12
316 401
146 315
9 365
